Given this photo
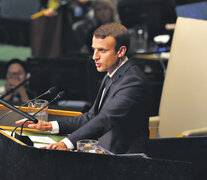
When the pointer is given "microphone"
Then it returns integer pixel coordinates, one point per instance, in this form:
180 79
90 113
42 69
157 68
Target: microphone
31 118
26 139
59 96
50 91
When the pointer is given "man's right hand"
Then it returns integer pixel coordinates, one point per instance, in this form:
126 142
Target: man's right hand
49 12
41 125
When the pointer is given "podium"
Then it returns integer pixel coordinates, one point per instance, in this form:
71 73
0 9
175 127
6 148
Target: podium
53 114
18 161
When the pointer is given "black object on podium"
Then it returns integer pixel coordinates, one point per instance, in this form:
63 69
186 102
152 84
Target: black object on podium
188 149
18 161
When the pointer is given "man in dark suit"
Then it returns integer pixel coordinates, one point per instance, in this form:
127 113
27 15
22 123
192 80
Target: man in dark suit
118 117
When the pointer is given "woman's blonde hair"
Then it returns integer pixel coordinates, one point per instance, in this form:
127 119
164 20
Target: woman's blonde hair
112 7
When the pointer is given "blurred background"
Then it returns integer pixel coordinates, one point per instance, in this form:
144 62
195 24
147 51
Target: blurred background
53 38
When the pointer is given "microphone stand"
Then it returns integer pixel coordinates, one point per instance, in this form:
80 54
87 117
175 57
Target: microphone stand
31 118
24 139
60 95
51 90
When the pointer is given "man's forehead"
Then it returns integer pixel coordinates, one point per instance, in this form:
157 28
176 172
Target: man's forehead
107 41
15 66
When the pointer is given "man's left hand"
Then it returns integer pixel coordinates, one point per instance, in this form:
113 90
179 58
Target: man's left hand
56 146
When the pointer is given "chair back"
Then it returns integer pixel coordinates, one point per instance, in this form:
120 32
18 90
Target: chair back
183 103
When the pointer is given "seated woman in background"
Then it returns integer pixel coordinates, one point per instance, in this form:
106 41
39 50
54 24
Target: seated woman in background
103 12
16 73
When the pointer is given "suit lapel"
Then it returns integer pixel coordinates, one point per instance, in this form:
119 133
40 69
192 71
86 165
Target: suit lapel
114 78
98 98
118 74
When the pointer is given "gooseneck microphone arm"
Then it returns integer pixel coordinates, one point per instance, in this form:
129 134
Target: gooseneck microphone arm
50 91
59 96
31 118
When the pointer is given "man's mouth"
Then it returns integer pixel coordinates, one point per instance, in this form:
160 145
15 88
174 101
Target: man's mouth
98 64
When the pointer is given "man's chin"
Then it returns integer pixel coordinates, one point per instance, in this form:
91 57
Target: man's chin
100 70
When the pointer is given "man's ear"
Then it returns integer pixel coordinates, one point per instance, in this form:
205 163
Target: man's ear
122 51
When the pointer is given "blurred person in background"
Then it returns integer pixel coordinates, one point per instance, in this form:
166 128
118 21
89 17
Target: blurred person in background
103 11
78 7
17 73
51 30
52 7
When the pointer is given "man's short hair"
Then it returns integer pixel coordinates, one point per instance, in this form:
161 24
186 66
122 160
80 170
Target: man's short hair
116 30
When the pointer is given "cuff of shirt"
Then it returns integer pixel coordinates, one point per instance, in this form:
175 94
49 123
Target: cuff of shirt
55 127
68 143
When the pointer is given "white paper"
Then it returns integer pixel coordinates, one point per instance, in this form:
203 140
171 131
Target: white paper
7 132
42 139
39 145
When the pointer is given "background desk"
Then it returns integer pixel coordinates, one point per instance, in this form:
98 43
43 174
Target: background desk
189 149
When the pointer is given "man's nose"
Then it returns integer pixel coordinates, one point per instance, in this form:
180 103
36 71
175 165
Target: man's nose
95 55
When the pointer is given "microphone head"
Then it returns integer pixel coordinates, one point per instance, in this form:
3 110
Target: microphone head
35 120
28 76
51 90
60 94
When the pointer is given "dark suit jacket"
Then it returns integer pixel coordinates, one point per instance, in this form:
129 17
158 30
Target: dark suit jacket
121 123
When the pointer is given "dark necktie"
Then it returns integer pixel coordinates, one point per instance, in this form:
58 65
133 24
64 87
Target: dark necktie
103 89
106 81
100 94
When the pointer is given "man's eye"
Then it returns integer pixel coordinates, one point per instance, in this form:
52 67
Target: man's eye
102 50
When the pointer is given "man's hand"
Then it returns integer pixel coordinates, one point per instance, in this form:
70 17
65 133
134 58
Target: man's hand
41 125
50 12
56 146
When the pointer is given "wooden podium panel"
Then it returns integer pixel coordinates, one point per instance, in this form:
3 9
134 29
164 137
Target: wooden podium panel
53 114
18 161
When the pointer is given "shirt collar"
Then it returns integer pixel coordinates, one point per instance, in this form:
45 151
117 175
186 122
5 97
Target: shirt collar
125 59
